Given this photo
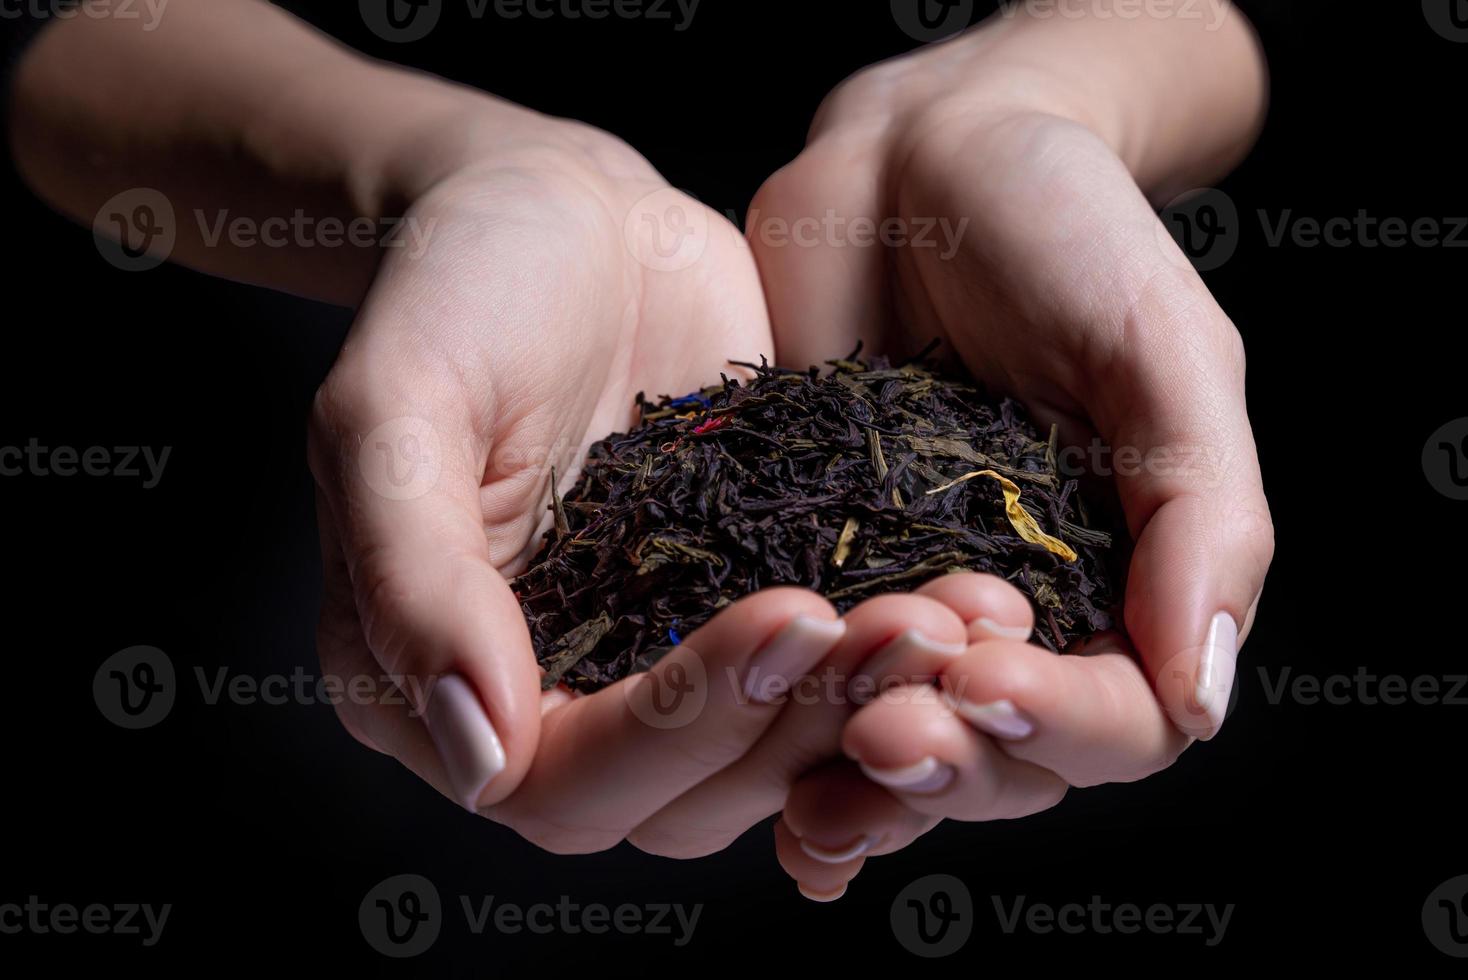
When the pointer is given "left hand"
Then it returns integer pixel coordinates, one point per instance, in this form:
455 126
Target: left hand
1044 267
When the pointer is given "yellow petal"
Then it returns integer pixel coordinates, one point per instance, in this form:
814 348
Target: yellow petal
1022 520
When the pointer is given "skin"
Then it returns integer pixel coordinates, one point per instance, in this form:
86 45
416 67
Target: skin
545 235
1055 138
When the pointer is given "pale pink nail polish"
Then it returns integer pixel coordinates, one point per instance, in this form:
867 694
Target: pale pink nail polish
466 741
1216 667
998 718
986 626
792 652
838 855
926 776
910 646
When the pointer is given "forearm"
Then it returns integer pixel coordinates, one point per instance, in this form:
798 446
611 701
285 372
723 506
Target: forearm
1178 88
241 115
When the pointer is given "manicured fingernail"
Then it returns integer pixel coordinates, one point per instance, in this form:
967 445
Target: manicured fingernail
998 718
465 739
907 646
927 776
816 896
793 651
837 856
1216 666
986 626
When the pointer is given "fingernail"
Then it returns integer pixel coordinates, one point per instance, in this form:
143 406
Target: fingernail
927 776
793 651
984 625
998 718
816 896
833 856
465 739
907 645
1216 668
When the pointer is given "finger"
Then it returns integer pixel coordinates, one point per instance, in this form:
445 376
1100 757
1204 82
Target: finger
1091 718
922 632
816 881
835 819
609 761
912 743
1192 493
990 607
383 720
399 466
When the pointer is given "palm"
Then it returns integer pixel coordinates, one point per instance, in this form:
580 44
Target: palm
599 314
1002 259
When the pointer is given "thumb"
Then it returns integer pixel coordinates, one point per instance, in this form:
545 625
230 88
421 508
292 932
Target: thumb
1188 475
400 476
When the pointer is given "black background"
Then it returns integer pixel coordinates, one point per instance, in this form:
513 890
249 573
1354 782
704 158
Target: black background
1326 825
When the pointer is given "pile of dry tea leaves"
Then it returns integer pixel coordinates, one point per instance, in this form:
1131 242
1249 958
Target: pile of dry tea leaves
866 479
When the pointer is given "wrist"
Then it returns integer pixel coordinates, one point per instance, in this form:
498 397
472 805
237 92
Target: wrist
1178 98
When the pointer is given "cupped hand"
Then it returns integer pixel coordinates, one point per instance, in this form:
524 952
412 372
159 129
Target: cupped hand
941 197
555 276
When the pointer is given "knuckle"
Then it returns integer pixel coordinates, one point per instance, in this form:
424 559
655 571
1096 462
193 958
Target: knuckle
999 670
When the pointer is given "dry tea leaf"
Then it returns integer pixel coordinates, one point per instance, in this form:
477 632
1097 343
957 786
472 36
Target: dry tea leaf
834 482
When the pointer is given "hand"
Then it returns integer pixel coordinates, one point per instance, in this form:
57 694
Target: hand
1016 232
560 277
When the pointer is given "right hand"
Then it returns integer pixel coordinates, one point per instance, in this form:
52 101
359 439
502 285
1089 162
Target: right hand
561 275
